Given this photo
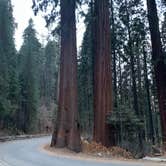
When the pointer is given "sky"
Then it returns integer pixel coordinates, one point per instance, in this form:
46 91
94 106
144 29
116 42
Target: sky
22 12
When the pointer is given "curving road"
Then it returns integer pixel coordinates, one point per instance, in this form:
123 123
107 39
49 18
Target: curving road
28 153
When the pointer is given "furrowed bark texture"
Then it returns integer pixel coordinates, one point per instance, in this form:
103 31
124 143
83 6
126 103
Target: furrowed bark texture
67 130
158 60
102 72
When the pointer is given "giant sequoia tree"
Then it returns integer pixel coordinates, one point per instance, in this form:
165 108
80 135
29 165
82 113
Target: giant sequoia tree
67 122
66 133
158 62
102 72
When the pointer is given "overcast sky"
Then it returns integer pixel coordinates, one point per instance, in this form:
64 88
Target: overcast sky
23 12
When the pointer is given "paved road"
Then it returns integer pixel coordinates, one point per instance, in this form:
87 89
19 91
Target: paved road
28 153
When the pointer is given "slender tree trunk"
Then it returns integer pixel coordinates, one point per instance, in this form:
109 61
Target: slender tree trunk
131 54
134 86
67 133
114 56
158 62
120 99
102 73
133 79
134 90
149 116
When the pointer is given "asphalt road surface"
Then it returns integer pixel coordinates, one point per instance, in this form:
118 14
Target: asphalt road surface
28 153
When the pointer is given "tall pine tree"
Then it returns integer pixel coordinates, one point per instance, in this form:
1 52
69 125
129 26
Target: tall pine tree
28 59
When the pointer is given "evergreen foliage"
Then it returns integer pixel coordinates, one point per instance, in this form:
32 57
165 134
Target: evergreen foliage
9 87
85 77
28 58
51 70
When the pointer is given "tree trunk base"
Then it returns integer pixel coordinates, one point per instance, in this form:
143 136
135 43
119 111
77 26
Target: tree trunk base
74 143
61 139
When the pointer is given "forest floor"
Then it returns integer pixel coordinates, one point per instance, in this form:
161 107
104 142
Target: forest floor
82 155
104 156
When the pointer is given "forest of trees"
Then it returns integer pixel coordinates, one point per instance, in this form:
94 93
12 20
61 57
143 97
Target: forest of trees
111 90
28 77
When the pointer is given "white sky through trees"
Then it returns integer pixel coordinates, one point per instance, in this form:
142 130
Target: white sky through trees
22 12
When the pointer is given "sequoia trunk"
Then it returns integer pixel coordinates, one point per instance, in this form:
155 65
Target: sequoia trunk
67 129
158 62
102 72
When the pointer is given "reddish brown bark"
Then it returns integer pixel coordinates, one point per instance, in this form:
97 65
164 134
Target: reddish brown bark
67 129
102 72
158 60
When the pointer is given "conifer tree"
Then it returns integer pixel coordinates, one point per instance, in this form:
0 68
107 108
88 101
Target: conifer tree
50 71
28 59
9 87
85 75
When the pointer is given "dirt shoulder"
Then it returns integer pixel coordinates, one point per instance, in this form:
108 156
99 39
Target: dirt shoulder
65 153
